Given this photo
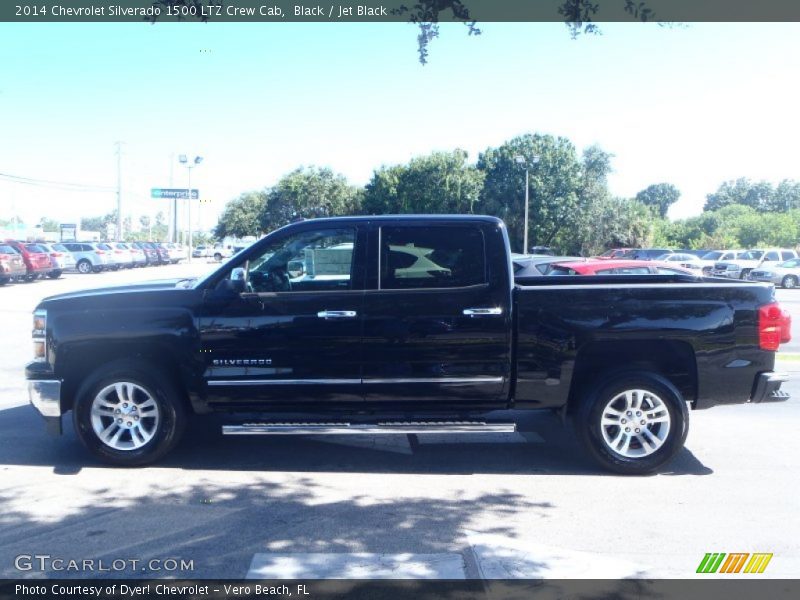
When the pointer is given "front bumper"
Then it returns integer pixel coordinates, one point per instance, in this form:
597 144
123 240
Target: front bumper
767 388
729 274
45 395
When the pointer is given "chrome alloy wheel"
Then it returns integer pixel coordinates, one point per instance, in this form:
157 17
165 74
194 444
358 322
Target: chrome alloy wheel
635 423
124 416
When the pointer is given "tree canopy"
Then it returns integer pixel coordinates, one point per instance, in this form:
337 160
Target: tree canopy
660 196
442 182
554 181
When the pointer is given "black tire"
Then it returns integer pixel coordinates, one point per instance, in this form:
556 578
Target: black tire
591 433
789 282
171 410
218 257
84 266
744 274
4 280
55 274
30 278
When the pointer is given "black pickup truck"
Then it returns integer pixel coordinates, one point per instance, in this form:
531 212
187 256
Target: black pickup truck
401 325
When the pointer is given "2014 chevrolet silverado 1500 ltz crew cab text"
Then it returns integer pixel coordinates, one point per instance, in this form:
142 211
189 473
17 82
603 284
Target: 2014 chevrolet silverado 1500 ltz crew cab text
401 324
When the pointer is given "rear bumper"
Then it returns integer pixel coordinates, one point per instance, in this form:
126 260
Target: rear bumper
767 388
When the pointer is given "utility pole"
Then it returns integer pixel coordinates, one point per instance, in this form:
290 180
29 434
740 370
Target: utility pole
173 215
119 190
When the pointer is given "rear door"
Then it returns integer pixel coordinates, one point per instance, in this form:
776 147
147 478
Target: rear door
437 327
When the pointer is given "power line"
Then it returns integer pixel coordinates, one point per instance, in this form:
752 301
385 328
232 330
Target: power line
81 187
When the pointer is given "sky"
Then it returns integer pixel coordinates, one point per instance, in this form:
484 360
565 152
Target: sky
694 105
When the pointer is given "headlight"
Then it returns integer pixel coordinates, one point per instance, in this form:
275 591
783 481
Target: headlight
40 335
39 322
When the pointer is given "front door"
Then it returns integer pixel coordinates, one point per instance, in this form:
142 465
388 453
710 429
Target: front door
294 334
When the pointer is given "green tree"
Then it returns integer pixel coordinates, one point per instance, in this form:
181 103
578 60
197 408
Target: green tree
94 223
555 183
49 224
307 193
660 196
786 196
442 182
758 195
242 216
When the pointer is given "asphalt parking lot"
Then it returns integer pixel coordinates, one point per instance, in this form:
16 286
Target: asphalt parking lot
511 505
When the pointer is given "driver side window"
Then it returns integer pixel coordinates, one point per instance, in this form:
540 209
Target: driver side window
310 261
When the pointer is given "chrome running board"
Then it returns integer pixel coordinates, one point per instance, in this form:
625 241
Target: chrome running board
380 428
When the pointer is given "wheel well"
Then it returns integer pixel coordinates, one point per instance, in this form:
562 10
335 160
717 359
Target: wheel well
86 362
673 360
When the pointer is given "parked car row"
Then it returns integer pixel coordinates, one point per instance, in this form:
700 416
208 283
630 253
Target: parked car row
28 261
778 266
775 265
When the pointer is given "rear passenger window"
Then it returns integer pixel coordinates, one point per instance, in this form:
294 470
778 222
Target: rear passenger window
787 255
431 257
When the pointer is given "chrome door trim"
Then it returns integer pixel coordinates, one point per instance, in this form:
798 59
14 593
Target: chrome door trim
475 312
434 380
231 382
337 314
462 380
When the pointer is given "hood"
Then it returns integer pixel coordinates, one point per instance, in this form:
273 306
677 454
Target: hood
142 287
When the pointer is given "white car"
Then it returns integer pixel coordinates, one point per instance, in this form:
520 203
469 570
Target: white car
176 253
740 267
221 251
708 260
61 258
687 261
785 274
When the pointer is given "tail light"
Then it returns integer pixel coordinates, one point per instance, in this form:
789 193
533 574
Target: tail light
56 254
100 251
774 326
786 327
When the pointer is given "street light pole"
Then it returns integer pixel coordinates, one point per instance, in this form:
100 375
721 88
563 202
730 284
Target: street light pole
189 215
119 190
189 166
527 204
521 160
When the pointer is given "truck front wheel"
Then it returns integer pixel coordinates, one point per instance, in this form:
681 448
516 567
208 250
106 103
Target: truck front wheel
129 414
633 423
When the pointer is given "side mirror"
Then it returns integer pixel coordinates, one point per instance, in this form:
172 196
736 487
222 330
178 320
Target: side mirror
234 285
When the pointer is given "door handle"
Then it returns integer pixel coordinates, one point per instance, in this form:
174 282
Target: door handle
475 312
336 314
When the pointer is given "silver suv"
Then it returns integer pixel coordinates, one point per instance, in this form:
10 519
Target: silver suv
87 257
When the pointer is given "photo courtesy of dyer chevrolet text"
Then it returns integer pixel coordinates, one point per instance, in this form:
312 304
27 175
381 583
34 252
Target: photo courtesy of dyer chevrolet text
165 589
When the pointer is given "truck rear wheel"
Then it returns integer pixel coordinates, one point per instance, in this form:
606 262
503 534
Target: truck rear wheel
633 423
129 414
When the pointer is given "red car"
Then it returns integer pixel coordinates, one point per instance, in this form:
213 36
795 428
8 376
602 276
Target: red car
11 265
613 253
36 259
594 266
